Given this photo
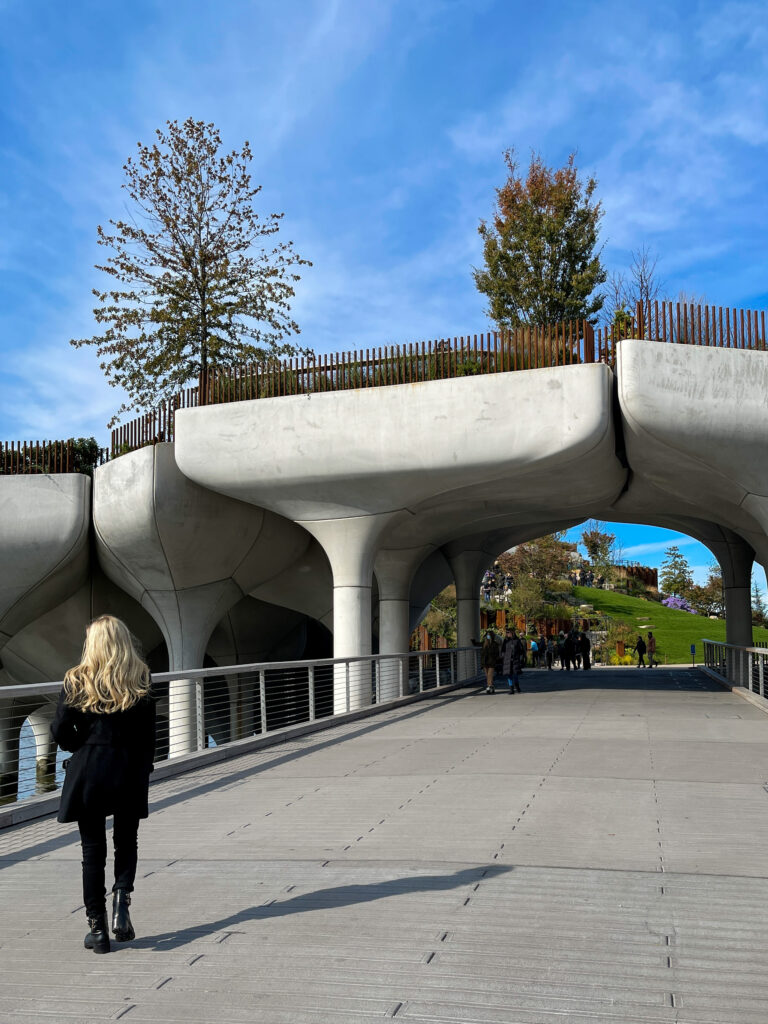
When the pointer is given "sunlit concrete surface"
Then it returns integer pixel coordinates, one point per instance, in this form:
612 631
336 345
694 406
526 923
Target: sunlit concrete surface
595 849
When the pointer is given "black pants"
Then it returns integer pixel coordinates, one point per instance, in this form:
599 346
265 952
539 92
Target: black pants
93 836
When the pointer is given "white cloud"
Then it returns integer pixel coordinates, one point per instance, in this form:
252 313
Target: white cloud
657 546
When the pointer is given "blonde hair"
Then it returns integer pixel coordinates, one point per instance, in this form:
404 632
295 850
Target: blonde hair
111 676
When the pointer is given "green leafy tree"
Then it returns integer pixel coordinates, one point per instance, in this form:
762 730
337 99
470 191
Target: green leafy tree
708 599
545 559
759 611
527 598
440 620
542 262
193 284
675 575
86 454
600 546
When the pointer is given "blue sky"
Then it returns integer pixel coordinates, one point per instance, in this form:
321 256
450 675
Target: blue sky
378 128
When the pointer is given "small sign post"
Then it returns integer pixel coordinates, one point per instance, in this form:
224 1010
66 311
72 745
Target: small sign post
693 655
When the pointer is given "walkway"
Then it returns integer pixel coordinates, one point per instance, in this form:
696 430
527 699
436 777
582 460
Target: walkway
594 850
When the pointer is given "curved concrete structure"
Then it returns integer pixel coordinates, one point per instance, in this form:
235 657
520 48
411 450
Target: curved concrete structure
407 467
696 427
43 545
387 492
186 554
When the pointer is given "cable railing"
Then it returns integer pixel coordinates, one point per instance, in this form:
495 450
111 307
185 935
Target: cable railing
205 709
737 665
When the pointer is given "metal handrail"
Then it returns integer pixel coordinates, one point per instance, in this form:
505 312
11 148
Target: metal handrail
200 709
738 665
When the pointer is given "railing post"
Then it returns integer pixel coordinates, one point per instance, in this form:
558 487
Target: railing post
377 680
454 659
589 342
311 681
199 714
437 669
263 699
401 674
421 672
346 674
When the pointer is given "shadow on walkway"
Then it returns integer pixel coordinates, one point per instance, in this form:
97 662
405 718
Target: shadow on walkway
320 899
672 679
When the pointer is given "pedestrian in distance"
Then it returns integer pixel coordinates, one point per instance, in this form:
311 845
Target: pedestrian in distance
511 659
534 653
489 655
106 718
550 654
576 648
559 644
640 649
566 652
586 650
652 663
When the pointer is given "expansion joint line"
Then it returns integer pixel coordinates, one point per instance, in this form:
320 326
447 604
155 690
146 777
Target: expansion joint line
547 774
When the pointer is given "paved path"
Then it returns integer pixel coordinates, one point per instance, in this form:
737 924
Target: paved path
594 850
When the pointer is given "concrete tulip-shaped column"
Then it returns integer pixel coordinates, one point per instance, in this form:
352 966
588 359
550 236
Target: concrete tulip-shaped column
187 555
394 571
43 545
44 523
350 545
468 567
736 558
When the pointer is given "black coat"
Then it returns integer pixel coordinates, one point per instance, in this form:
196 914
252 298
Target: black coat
112 759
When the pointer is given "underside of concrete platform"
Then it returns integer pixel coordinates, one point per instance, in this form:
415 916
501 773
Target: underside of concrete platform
593 850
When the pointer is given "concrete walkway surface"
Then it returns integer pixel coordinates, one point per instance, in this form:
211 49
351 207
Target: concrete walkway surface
592 850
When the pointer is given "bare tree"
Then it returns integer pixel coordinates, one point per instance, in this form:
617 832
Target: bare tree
645 285
641 283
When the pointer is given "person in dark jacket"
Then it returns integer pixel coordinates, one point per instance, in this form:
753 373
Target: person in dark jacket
640 650
566 652
106 716
512 652
586 650
489 655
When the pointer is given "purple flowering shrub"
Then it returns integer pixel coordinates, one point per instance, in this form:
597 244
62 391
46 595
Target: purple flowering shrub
678 602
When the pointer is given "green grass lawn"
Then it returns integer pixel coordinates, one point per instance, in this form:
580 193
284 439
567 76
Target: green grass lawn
674 630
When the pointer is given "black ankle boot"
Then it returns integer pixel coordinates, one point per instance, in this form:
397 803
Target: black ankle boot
121 919
97 938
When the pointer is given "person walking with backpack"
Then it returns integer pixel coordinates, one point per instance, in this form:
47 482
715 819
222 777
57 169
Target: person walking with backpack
106 717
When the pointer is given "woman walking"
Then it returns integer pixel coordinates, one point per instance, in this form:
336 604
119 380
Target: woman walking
106 716
489 656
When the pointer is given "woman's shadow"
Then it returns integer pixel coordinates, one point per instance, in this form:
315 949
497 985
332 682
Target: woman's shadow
320 899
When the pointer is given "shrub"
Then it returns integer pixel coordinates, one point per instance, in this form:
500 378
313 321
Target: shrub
680 603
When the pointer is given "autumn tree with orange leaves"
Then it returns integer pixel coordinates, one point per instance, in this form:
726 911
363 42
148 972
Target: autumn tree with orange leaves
542 261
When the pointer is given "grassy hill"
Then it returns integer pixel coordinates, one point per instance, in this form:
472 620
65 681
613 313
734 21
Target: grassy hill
674 630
